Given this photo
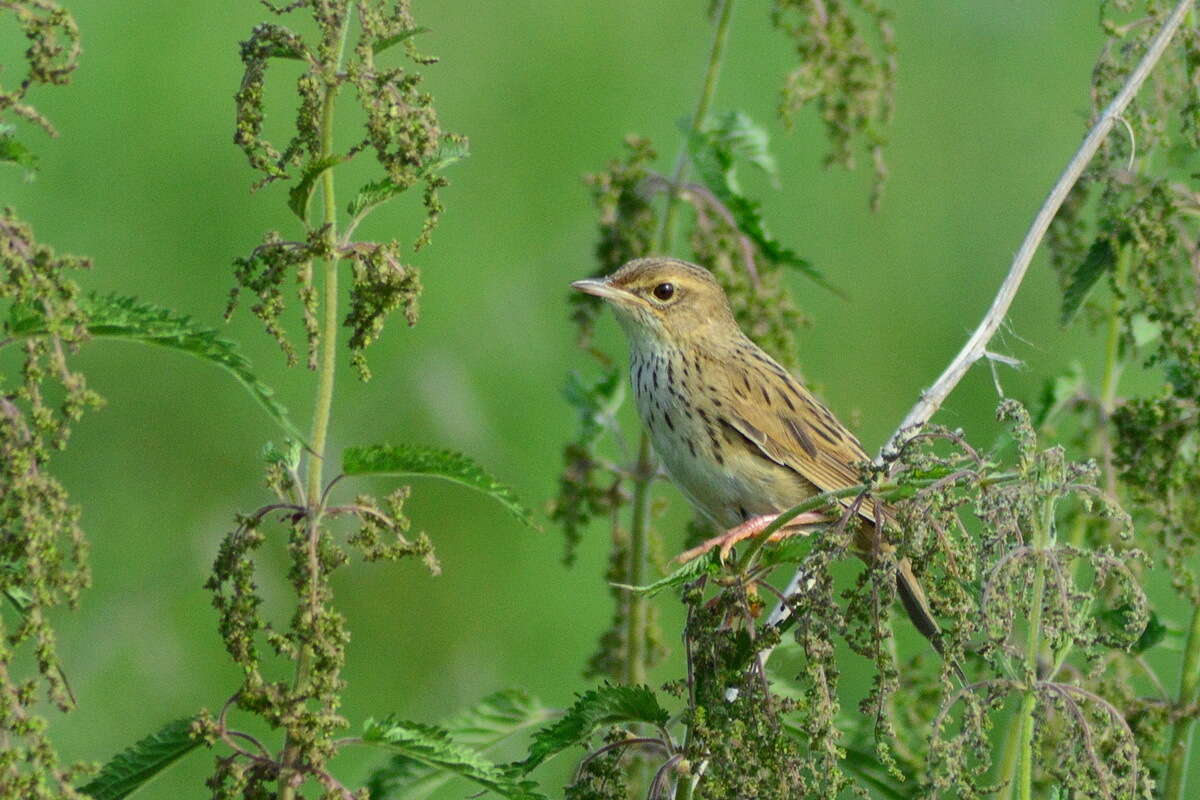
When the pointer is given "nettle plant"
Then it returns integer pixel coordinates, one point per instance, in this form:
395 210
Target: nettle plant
1035 552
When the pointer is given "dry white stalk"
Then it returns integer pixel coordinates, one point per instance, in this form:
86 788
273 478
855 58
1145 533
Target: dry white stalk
976 347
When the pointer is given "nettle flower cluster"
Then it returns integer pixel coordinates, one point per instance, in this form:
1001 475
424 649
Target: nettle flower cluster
403 133
401 130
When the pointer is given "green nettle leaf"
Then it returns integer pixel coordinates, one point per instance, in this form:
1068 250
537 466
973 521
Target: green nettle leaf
607 705
707 563
745 138
432 747
19 598
13 152
484 725
1154 633
434 462
132 769
299 195
1100 258
118 317
595 402
288 456
1119 618
713 151
451 149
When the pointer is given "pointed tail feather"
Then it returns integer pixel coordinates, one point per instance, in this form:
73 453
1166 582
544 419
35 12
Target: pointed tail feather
912 597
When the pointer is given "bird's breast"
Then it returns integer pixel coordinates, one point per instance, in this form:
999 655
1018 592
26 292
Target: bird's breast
716 469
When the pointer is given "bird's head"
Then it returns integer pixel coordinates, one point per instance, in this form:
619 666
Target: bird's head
664 301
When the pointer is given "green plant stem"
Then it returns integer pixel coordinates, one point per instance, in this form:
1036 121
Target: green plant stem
639 539
639 544
322 411
1112 369
1008 762
1112 341
1033 645
666 234
639 550
329 325
976 346
1181 734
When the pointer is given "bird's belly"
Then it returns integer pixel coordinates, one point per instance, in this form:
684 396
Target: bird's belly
721 478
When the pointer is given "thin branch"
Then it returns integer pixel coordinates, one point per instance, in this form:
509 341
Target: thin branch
658 786
640 740
932 398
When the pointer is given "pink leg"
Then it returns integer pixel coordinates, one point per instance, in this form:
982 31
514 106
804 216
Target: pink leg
751 528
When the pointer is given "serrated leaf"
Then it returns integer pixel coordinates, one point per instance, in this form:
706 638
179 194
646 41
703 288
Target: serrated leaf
434 462
596 402
129 319
433 747
484 725
1101 257
745 138
450 151
713 155
288 456
392 41
132 769
19 598
690 571
13 152
298 195
607 705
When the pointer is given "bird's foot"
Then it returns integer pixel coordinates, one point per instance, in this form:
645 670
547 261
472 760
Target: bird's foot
751 528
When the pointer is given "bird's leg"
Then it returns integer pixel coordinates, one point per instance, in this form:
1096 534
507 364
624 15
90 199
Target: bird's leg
751 528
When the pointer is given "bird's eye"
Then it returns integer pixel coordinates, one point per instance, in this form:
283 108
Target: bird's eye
664 291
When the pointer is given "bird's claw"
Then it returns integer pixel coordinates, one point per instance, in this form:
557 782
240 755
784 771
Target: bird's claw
751 528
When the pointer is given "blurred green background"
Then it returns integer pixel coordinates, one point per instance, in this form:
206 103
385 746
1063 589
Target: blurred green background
991 102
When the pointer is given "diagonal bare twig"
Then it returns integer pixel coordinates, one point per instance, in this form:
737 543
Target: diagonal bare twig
975 348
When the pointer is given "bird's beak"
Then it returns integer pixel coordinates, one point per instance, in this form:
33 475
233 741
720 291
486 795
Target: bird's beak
603 289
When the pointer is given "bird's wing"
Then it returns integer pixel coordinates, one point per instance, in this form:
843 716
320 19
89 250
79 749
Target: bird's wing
790 426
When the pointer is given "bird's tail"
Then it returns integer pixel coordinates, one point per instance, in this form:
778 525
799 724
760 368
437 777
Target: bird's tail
912 597
915 603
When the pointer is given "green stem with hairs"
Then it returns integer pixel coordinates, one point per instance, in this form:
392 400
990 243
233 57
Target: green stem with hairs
666 233
1181 734
639 550
322 411
1008 762
639 539
1112 369
1043 540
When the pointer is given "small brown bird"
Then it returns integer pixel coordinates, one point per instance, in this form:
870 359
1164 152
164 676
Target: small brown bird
740 436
